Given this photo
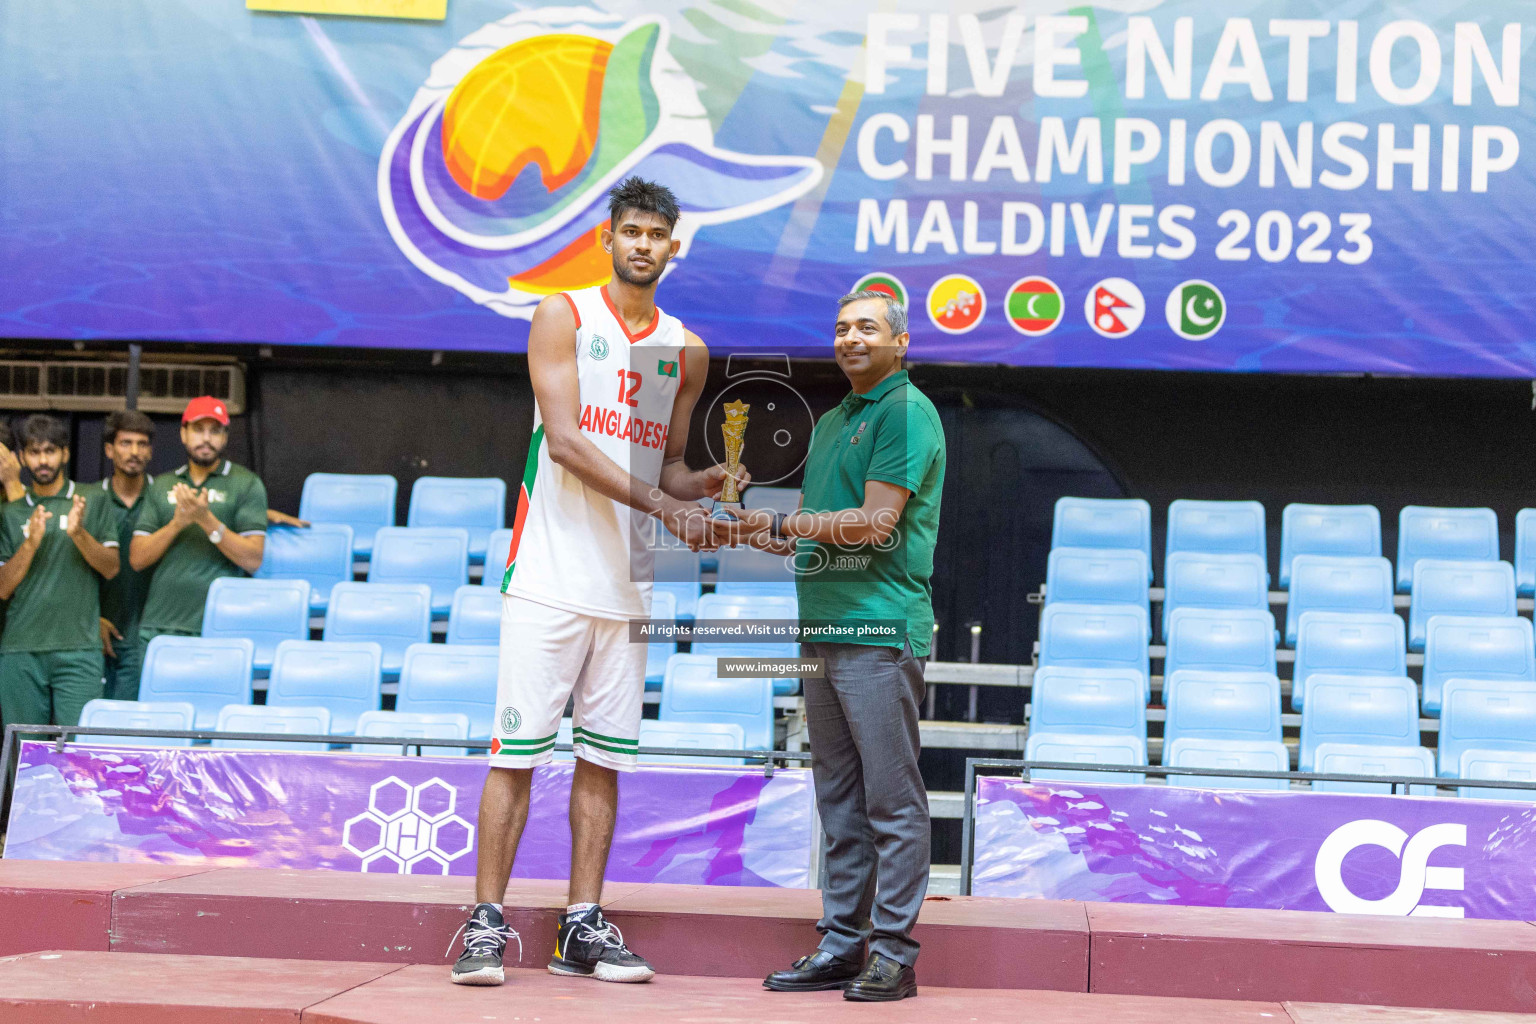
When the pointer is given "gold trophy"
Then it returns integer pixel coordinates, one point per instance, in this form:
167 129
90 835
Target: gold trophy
735 430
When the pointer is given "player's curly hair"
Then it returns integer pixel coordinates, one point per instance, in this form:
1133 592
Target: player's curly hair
635 193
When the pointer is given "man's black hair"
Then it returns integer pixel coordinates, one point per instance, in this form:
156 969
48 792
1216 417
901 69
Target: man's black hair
130 420
7 435
43 429
635 193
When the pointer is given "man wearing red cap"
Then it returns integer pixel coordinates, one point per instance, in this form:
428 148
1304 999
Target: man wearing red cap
206 520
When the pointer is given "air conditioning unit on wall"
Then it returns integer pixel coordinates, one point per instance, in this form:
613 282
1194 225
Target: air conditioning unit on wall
102 386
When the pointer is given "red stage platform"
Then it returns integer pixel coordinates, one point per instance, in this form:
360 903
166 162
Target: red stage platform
737 935
129 988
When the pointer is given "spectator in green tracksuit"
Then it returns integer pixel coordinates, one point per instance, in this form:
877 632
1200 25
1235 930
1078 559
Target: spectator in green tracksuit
57 544
128 434
206 520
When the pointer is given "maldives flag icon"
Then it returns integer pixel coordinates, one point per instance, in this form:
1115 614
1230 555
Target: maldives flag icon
1035 306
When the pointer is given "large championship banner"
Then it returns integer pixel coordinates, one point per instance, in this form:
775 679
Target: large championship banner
1238 185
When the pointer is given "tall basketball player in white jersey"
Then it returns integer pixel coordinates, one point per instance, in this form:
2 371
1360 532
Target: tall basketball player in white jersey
615 380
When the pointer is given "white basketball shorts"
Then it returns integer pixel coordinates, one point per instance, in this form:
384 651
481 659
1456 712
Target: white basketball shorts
546 655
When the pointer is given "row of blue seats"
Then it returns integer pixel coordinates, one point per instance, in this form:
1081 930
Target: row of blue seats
366 504
440 557
346 678
1239 528
318 720
1350 643
1334 583
396 615
1359 710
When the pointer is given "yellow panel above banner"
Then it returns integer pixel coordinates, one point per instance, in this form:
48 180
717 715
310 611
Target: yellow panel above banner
424 10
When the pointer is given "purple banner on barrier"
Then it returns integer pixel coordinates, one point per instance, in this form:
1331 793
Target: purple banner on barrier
1387 855
417 815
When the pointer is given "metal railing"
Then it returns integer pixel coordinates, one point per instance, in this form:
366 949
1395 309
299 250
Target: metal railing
968 812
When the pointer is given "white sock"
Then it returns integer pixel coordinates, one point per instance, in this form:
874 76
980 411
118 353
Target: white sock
577 909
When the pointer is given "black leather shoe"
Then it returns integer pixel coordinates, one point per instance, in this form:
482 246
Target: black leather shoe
815 973
882 980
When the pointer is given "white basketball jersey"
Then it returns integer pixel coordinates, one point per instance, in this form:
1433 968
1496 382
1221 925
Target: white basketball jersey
574 547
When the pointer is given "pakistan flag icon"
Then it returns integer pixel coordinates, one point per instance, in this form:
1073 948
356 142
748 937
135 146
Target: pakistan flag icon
1196 309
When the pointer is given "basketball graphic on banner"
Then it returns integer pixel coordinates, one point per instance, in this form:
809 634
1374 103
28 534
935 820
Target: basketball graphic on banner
956 303
1114 307
1034 306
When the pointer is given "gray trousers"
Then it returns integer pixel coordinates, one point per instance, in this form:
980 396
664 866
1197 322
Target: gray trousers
862 720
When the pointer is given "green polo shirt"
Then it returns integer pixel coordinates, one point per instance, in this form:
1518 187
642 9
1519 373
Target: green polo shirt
891 434
57 606
122 597
174 603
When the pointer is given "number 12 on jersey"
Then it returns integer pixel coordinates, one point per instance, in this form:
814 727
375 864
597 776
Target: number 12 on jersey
631 380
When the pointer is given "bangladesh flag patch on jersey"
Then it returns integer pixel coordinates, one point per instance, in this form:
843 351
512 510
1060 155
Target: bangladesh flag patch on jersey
665 368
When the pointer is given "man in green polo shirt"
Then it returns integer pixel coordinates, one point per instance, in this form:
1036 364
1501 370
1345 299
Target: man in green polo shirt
57 545
868 520
129 435
204 521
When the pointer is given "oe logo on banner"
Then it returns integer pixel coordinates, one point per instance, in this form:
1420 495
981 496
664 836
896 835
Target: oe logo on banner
1415 874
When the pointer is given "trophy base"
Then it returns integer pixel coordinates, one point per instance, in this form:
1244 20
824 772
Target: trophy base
725 510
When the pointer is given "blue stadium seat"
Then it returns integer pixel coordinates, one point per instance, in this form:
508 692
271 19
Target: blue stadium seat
1498 766
1104 523
1525 552
1335 583
780 499
677 572
265 611
1336 530
1217 527
1097 576
475 504
342 677
413 724
443 679
362 502
475 617
1222 706
205 672
663 607
1485 714
300 721
393 615
751 606
1378 711
1357 759
1474 648
1095 636
1220 640
1089 702
1237 755
1458 588
693 692
420 554
1086 749
497 549
1350 644
320 554
1456 534
694 735
137 714
1194 579
747 570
